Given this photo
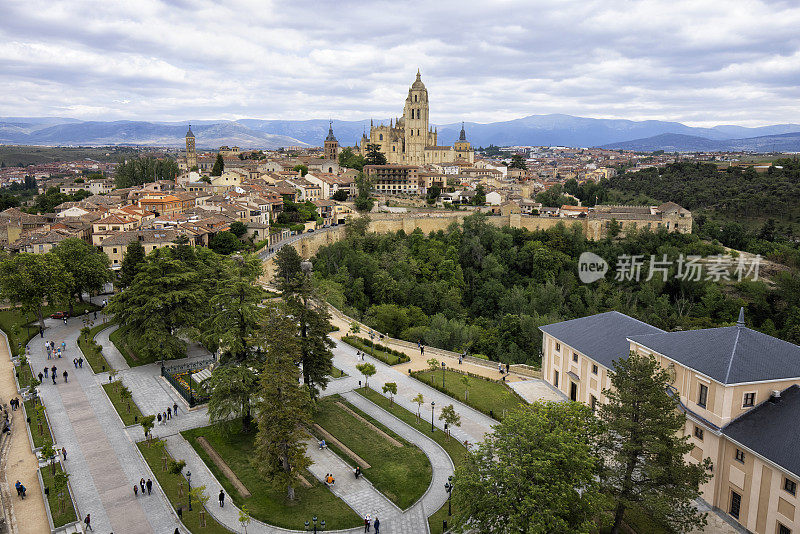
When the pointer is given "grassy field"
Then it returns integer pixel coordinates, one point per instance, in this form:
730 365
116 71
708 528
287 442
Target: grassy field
169 483
131 357
92 352
25 375
453 447
337 373
382 355
488 396
402 474
59 518
39 438
126 409
268 503
13 322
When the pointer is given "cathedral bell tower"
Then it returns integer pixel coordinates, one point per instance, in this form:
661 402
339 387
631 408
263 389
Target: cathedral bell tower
191 155
415 121
331 144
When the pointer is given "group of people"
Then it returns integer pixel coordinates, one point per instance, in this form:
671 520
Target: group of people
167 414
20 489
52 370
14 404
78 362
55 351
145 485
368 521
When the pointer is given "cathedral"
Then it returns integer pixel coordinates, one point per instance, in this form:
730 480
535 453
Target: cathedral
409 140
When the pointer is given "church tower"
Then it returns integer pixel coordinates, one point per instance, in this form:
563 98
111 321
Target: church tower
331 145
415 122
191 155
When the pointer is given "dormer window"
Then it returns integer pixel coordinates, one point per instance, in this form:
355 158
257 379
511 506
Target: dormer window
749 400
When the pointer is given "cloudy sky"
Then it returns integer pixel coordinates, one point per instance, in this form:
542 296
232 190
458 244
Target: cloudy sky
702 62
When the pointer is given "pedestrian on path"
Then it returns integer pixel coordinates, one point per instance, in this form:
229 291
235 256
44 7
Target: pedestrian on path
45 373
164 418
149 486
175 409
64 453
40 375
158 417
64 346
80 362
141 484
65 320
367 521
135 490
75 362
88 519
221 498
66 374
377 525
169 412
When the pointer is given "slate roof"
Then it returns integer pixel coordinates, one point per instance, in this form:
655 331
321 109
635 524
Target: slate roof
770 429
729 355
601 337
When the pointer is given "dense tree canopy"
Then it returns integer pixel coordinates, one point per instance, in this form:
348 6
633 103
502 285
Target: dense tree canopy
141 170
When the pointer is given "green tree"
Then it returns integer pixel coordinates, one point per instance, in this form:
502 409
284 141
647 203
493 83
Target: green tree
280 448
88 268
60 480
450 417
537 472
614 228
160 305
131 262
364 201
302 169
645 449
224 243
366 369
419 400
238 228
518 162
148 422
374 155
391 389
480 195
219 166
232 387
351 160
138 171
288 270
49 453
235 308
433 194
340 195
32 279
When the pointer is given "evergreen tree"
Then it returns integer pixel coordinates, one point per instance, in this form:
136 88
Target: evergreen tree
518 162
288 262
283 408
374 155
644 449
131 262
232 387
32 279
219 166
88 267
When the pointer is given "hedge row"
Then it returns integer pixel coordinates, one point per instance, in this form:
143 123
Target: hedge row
375 349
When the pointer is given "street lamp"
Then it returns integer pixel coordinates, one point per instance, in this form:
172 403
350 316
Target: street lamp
321 524
444 366
449 487
433 404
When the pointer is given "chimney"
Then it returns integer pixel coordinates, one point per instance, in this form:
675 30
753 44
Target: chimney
775 397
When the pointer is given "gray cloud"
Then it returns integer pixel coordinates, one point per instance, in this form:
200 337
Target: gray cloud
692 61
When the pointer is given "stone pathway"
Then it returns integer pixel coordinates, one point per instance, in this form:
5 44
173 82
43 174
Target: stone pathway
19 463
536 389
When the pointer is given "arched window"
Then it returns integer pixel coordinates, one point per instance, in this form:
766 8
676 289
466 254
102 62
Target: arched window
393 149
415 98
380 137
418 113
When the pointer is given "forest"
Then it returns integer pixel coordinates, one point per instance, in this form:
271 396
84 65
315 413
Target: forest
486 290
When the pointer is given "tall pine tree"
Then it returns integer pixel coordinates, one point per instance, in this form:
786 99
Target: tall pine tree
644 448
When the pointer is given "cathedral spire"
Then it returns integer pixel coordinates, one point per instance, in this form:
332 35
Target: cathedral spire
463 135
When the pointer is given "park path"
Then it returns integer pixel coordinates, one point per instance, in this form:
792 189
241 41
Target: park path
18 461
101 459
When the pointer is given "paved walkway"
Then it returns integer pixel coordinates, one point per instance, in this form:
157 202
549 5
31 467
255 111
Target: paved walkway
18 461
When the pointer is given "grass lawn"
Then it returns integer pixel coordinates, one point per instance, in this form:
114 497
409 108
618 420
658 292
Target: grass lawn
13 321
39 438
25 375
59 518
92 352
169 483
267 503
484 395
127 410
453 447
337 373
127 351
382 355
402 474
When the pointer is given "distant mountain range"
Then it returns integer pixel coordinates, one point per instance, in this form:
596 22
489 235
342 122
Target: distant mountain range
552 130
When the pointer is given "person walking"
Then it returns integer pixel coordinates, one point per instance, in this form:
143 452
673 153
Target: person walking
40 375
158 417
141 484
149 486
136 490
175 409
66 374
45 372
377 525
80 362
169 412
88 518
64 453
75 362
367 521
221 498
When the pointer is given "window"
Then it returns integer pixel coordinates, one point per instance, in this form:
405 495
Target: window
698 432
790 486
594 368
558 347
739 455
575 357
115 250
593 403
784 529
380 137
736 504
749 400
573 391
555 378
702 398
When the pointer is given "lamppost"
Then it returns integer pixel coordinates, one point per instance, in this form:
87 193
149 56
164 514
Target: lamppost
433 404
321 524
449 487
444 366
